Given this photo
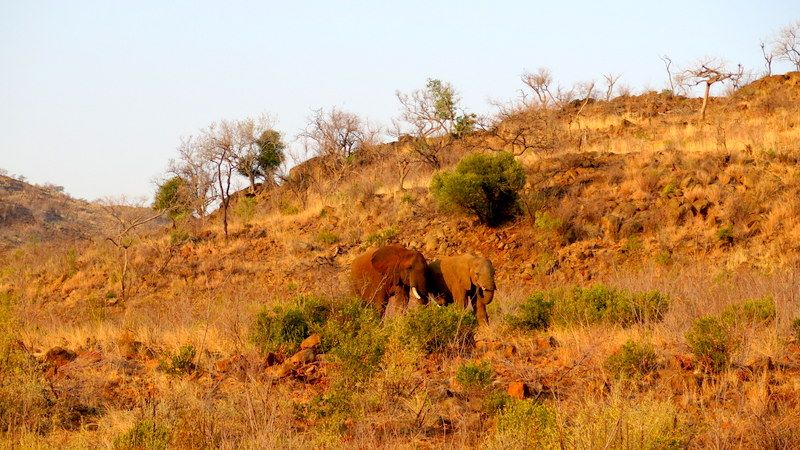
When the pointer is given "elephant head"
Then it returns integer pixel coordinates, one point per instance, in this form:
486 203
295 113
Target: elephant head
481 274
404 270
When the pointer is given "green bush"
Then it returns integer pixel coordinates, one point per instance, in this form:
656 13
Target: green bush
710 340
381 237
725 234
536 313
633 359
283 328
147 434
354 339
433 328
327 237
475 375
245 208
596 304
754 310
180 363
526 424
481 184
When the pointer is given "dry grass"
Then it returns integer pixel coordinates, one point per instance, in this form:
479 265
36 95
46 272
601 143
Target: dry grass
638 195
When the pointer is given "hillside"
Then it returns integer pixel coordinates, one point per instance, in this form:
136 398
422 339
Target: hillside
646 299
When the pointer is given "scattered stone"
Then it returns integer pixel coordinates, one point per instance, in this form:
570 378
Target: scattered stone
279 371
311 341
517 390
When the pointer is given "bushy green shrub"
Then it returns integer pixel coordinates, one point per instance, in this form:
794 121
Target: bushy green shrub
353 338
633 359
146 434
536 313
754 310
180 363
473 375
433 328
283 328
245 208
596 304
526 424
482 184
710 340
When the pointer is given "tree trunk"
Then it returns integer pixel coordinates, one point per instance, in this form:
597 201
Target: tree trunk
225 217
252 177
124 274
705 102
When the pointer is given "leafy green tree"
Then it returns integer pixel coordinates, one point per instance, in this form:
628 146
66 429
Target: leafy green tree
264 158
171 198
433 117
482 184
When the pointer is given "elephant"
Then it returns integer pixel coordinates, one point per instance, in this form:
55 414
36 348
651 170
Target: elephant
389 270
463 279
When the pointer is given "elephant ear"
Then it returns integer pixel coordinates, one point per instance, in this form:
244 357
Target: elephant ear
386 259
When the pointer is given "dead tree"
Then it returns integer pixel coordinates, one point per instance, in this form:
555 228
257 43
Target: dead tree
127 217
539 82
709 72
768 55
787 44
670 77
611 79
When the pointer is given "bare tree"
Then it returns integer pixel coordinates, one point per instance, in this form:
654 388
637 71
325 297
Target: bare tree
519 128
127 216
434 118
670 77
611 79
787 44
708 72
225 144
336 134
768 55
198 175
539 82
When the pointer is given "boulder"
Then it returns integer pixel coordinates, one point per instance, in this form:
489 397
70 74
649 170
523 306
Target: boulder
517 390
311 342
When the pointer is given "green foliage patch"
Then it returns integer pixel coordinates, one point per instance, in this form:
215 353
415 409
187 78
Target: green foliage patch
484 185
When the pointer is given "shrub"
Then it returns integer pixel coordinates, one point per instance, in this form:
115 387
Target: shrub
601 303
633 359
475 375
282 328
327 237
180 363
433 328
354 340
754 310
146 434
381 237
709 339
536 313
484 185
725 234
526 424
245 208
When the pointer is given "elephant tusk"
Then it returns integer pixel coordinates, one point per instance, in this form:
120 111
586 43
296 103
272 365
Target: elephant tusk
415 293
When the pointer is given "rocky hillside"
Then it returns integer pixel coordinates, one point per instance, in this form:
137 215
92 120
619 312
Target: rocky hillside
646 299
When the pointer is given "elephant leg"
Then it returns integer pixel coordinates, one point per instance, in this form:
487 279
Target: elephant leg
462 299
479 306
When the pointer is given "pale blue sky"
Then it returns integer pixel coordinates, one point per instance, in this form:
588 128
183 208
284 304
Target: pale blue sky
95 96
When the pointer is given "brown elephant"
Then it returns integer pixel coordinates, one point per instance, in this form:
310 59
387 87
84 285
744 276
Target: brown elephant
463 279
389 270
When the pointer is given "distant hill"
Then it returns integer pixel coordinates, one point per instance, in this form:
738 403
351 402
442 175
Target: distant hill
32 213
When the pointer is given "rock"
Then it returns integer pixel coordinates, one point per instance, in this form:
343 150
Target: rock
517 390
58 356
279 371
304 356
311 341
